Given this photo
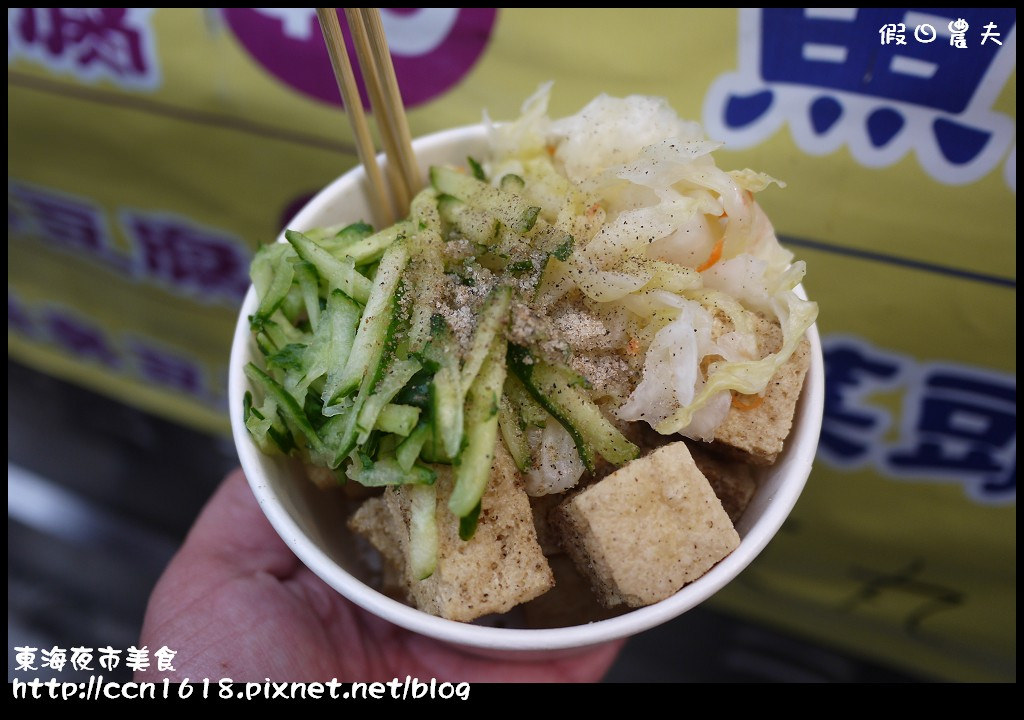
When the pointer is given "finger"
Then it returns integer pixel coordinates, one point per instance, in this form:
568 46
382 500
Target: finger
233 530
230 538
231 541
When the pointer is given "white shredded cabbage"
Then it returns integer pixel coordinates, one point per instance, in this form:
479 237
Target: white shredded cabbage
670 239
672 376
672 364
612 131
527 136
557 465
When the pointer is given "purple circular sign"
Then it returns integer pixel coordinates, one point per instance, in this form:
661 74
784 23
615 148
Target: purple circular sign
432 48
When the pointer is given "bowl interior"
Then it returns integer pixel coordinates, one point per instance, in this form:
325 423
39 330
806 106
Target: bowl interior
312 522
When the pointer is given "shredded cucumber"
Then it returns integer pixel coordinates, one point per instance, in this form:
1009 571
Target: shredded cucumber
508 207
371 338
559 391
338 274
474 466
513 435
422 530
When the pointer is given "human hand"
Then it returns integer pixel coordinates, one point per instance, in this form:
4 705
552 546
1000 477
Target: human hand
236 603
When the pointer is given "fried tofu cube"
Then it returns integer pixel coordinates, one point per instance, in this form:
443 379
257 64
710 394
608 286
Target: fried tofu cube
647 529
756 435
733 482
499 568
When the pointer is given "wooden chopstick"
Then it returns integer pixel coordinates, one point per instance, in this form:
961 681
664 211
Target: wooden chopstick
384 213
400 188
378 73
393 107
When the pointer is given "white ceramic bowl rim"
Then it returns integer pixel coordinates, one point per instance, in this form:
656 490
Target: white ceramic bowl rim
799 455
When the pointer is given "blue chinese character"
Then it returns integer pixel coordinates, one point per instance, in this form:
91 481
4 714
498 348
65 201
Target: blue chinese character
79 338
164 368
851 428
114 44
188 258
824 72
962 424
62 221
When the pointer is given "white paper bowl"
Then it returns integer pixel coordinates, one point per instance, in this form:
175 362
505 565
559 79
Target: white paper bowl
315 529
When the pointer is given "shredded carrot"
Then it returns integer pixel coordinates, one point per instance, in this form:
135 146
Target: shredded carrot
550 149
633 346
747 402
716 255
592 210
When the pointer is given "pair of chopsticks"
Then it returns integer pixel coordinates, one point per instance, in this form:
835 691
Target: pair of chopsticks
390 201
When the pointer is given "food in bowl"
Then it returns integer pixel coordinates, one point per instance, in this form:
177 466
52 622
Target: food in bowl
514 367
